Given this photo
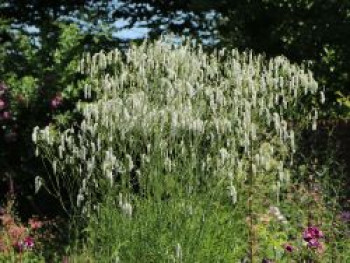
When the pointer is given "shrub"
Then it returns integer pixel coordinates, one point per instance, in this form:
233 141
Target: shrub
168 121
18 242
169 110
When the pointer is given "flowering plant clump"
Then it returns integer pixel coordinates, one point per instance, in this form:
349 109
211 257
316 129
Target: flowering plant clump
312 236
170 118
281 246
6 116
16 238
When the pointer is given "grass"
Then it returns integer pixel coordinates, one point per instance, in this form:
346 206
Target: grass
201 231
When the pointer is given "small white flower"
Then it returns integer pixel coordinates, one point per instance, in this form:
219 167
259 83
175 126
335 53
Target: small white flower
233 194
323 98
178 252
38 183
127 209
54 166
35 134
80 199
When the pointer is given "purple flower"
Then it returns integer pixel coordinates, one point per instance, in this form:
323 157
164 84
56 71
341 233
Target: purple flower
288 247
314 243
312 232
28 242
265 260
307 236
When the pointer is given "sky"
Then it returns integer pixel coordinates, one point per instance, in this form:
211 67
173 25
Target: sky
119 27
136 32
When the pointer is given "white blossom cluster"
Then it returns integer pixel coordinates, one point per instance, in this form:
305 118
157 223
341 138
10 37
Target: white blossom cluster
179 116
275 212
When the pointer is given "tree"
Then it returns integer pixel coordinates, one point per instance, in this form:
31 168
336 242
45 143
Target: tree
39 53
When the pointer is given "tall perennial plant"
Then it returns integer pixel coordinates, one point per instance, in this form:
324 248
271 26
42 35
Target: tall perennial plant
168 120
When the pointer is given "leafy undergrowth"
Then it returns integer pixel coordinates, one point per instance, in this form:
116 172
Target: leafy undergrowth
31 241
306 224
206 227
185 230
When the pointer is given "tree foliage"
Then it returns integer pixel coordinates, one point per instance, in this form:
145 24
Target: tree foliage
39 53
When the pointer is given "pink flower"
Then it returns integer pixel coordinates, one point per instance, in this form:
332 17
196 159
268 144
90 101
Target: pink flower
312 232
307 236
6 115
56 101
28 242
312 235
35 224
314 243
2 104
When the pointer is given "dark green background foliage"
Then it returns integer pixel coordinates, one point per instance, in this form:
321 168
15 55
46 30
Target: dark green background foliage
41 43
39 52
